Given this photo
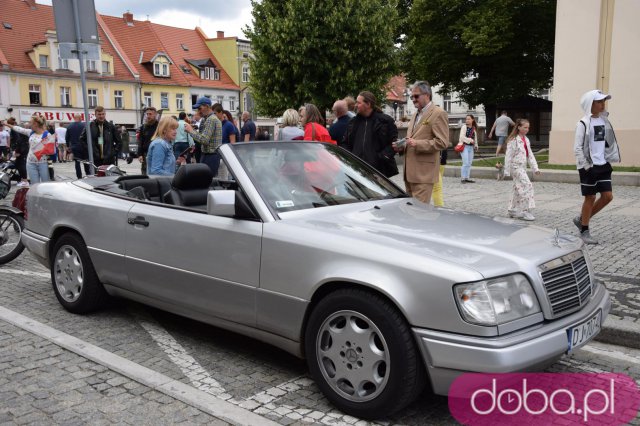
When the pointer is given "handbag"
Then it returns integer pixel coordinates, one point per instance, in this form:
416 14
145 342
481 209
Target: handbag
388 165
459 147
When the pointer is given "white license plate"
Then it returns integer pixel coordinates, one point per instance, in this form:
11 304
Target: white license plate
583 332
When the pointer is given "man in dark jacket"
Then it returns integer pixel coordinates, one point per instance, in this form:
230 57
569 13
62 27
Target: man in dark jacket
339 127
370 134
145 136
105 139
79 151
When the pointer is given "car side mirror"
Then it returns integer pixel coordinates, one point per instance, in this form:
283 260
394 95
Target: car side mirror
221 203
228 203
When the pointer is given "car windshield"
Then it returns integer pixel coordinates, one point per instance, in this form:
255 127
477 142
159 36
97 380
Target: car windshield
303 175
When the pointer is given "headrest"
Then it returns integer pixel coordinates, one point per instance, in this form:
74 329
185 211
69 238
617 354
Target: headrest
192 176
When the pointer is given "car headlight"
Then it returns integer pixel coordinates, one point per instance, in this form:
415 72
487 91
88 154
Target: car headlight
496 301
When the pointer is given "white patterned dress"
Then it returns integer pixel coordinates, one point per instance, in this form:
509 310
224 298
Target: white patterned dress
515 164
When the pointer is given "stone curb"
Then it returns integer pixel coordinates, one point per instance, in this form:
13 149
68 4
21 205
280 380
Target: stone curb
196 398
547 175
620 332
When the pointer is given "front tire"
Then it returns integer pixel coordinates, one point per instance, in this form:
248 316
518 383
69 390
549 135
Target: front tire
11 227
75 282
361 353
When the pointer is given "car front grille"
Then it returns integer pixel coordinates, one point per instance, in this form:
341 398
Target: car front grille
567 283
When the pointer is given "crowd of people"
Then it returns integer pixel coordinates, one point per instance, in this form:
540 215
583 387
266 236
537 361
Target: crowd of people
359 126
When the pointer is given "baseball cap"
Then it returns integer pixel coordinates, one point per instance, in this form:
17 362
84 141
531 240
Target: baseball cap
600 96
202 101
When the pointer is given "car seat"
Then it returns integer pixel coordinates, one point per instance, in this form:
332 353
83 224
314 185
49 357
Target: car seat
190 186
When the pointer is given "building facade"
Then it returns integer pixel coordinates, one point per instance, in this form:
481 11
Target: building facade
595 45
35 79
141 64
234 55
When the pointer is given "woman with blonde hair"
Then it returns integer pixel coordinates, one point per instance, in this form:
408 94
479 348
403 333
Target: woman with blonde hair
160 157
41 144
290 129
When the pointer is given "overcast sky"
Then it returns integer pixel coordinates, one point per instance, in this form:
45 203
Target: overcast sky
230 16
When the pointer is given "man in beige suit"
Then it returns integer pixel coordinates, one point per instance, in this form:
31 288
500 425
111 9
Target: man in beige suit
427 135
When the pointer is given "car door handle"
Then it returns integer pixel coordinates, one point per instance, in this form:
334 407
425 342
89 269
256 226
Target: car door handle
138 220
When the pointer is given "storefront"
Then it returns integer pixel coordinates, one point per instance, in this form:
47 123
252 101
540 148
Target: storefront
119 117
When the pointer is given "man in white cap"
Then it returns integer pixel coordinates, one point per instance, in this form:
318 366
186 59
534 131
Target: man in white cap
595 148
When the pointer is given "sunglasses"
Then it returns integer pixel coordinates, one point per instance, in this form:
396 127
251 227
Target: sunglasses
416 96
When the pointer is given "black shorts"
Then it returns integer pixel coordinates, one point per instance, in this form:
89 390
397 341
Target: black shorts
596 179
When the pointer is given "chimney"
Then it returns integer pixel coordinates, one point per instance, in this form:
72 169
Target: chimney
128 17
220 34
31 4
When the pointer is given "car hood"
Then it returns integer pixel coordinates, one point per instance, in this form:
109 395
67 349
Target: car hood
488 245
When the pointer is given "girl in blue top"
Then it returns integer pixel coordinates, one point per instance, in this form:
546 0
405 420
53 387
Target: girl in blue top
160 157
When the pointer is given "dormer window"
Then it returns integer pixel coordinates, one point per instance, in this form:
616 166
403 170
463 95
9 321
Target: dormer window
209 73
160 69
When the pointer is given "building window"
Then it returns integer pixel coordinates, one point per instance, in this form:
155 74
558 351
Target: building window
34 94
44 61
232 103
245 73
62 63
118 96
220 100
164 100
92 95
91 65
147 99
194 99
106 67
544 94
160 70
179 102
446 103
209 73
65 96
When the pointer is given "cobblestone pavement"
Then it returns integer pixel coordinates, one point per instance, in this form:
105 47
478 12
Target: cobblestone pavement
43 384
39 380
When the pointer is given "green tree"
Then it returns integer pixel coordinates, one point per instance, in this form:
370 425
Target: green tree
486 50
311 51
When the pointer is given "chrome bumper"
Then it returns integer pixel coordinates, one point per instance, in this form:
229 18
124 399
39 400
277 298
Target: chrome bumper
37 245
447 355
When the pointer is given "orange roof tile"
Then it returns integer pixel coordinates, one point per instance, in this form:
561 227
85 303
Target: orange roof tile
173 38
29 26
143 40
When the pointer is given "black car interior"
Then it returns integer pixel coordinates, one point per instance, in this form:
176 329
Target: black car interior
187 188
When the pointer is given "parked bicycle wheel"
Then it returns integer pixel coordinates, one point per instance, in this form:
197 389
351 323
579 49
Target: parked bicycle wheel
11 226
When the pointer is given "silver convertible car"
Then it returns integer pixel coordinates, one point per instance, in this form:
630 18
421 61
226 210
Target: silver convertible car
307 248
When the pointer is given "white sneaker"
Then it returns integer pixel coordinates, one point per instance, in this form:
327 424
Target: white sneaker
22 183
528 216
514 214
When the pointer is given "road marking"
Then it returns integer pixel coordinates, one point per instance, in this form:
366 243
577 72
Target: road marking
28 273
188 394
199 377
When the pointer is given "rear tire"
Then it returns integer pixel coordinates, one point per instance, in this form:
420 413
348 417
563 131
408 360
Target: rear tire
11 227
75 282
361 353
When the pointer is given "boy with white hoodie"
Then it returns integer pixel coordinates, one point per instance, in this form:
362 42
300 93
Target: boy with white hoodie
595 148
